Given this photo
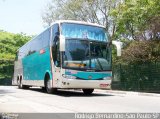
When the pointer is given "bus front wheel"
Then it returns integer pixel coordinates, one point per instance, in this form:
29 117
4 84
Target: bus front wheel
88 91
49 88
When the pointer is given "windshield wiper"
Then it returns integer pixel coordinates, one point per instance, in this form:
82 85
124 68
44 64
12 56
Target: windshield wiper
99 63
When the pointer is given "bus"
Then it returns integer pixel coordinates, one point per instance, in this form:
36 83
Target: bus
67 55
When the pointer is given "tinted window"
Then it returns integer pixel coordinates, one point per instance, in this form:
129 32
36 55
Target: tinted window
23 51
35 45
55 45
55 32
32 47
72 30
46 38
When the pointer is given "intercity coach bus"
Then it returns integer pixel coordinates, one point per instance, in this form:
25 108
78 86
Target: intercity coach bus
67 55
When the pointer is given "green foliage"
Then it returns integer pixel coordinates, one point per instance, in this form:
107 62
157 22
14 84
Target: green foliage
141 52
138 21
9 44
135 18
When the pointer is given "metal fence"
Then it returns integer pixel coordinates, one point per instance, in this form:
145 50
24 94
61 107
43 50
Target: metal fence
137 77
6 72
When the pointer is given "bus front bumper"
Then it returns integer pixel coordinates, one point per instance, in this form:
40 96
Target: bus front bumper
79 84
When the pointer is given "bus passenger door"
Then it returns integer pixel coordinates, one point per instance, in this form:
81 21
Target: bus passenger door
56 56
56 67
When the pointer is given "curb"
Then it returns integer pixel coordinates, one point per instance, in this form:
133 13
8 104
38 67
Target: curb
117 92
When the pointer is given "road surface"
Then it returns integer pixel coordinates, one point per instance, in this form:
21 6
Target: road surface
34 100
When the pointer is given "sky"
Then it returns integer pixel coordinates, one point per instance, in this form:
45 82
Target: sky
18 16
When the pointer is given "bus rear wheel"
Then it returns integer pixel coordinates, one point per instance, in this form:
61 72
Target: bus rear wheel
21 86
88 91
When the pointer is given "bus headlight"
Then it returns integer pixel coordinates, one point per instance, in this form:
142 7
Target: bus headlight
69 76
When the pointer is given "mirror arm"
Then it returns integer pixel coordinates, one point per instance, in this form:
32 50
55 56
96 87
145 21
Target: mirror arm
62 43
118 45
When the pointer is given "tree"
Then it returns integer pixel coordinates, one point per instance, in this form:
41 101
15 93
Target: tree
138 19
95 11
141 52
9 44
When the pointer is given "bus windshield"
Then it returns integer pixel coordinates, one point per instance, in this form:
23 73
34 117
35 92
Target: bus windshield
83 54
72 30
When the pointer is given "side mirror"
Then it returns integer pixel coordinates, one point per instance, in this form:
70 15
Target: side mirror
118 45
62 43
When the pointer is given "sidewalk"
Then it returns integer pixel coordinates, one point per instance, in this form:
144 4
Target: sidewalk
118 92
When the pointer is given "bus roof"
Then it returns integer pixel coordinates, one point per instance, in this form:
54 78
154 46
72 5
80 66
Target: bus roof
76 22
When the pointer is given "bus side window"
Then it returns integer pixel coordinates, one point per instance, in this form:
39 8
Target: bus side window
55 47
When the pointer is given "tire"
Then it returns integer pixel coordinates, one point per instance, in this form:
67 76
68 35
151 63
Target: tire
88 91
43 88
48 86
21 86
25 87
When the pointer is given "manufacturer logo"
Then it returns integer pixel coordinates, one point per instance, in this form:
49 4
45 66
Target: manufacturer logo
90 77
